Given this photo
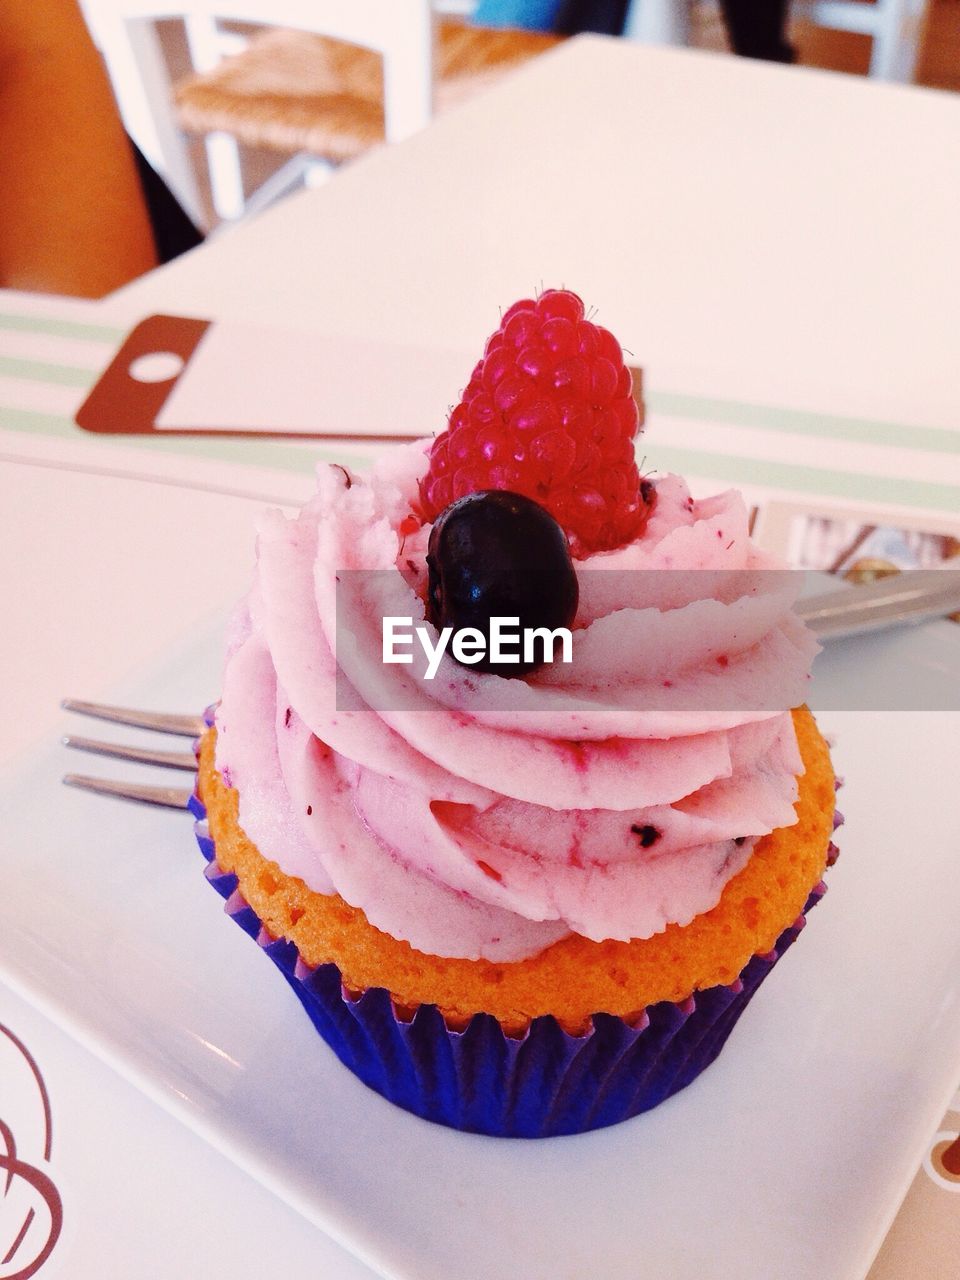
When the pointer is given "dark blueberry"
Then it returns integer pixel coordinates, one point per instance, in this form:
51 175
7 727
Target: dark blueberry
496 554
648 835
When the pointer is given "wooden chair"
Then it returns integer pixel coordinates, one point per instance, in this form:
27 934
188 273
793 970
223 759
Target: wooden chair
325 81
895 27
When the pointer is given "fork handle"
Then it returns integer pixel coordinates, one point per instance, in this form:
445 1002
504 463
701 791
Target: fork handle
900 598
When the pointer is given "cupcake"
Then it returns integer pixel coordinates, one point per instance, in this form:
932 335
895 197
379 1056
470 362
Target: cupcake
517 896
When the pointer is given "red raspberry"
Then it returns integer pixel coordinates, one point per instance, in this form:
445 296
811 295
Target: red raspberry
548 412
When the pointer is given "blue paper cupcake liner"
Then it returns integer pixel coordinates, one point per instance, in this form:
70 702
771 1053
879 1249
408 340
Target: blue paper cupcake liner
481 1080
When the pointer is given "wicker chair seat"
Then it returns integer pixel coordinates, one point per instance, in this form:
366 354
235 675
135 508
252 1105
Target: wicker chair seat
294 91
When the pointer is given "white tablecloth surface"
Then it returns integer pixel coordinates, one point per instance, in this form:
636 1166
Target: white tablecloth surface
756 233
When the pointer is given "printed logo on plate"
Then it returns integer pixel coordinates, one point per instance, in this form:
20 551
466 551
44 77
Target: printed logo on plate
31 1211
942 1161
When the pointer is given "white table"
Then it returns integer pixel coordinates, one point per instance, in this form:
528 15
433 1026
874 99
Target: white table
744 228
84 606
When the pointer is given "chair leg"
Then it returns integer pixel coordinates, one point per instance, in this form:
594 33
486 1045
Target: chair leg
318 172
291 174
226 175
897 39
140 81
659 21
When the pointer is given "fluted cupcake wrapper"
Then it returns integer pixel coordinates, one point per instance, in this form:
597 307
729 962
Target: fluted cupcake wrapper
541 1084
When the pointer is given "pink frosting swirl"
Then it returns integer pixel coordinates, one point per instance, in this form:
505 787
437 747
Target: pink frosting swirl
478 816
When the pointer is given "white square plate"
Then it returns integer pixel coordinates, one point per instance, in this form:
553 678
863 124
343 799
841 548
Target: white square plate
787 1158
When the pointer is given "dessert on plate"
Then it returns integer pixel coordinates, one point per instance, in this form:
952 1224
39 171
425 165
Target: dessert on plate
519 896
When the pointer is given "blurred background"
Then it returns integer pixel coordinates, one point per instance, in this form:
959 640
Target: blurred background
234 115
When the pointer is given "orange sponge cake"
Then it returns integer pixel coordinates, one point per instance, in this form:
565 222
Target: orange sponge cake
574 978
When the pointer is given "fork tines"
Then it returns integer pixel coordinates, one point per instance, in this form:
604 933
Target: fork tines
176 725
180 726
164 797
139 755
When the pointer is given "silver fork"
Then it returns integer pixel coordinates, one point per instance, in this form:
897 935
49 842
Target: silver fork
175 725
